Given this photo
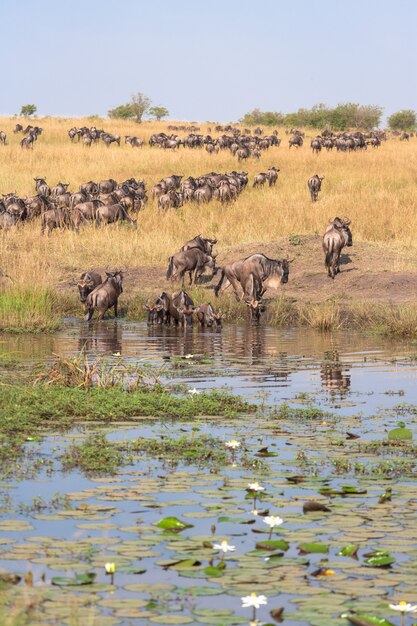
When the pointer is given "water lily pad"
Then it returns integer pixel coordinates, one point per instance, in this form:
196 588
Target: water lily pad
171 619
400 434
80 579
173 524
307 548
272 544
366 620
350 550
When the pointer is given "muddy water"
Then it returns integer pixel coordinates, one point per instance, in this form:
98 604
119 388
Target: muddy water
358 378
261 362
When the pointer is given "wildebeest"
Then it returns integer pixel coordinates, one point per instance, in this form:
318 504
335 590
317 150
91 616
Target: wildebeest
113 213
27 142
295 140
251 274
272 175
260 179
201 243
193 261
105 295
314 185
181 308
87 283
18 128
337 236
3 137
54 218
107 186
59 189
135 142
207 316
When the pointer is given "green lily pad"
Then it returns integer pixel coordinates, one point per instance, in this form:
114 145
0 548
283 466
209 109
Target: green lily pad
350 550
171 619
400 434
367 620
213 571
313 548
173 524
380 561
80 579
272 544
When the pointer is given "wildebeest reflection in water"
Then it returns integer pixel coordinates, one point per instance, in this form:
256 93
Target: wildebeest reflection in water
334 378
180 341
103 338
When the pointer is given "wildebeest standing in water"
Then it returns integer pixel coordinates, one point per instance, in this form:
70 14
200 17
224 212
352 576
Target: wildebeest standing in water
105 295
314 185
207 316
337 236
87 283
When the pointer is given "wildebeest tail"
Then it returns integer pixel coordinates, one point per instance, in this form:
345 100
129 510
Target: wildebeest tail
328 258
170 267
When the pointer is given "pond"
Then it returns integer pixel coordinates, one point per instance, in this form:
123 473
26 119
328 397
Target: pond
318 446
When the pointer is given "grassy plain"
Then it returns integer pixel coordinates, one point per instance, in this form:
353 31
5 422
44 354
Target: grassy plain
376 189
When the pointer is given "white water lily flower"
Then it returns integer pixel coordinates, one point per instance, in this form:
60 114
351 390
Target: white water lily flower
253 600
110 568
194 391
232 444
273 520
404 607
255 487
224 547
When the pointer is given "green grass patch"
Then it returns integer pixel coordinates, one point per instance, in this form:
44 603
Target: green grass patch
26 410
28 310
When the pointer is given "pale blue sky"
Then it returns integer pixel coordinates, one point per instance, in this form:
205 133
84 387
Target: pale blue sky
207 60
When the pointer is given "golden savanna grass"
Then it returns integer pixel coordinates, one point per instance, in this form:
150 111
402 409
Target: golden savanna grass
376 189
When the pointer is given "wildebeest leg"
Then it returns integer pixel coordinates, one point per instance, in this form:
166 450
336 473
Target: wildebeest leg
89 314
115 309
235 284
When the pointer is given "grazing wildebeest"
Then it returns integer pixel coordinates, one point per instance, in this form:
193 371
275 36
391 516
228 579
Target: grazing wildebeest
254 269
208 317
260 179
170 200
193 261
135 142
337 236
113 213
202 243
87 283
314 185
105 295
3 137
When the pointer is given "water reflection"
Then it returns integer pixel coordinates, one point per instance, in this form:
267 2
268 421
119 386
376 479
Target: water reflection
334 375
248 358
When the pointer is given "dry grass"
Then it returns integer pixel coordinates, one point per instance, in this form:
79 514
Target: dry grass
376 189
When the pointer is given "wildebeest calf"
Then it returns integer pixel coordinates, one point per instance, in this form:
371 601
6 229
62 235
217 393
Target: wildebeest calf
87 283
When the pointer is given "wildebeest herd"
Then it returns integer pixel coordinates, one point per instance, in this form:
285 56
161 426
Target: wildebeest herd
249 278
